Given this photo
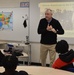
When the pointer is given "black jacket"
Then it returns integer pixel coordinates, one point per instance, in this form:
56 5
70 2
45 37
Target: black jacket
48 37
65 61
67 57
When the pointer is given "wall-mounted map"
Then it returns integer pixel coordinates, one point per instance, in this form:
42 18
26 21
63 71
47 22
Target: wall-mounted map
6 20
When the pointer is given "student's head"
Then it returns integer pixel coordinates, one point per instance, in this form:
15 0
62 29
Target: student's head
62 46
10 62
48 14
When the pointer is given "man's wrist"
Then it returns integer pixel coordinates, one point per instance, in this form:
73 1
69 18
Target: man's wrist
53 30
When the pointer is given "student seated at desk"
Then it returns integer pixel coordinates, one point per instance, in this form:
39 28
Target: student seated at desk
66 57
10 64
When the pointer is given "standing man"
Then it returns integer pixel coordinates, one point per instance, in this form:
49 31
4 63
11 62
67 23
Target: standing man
48 28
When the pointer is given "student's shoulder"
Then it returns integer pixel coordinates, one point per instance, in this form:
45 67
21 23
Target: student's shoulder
22 73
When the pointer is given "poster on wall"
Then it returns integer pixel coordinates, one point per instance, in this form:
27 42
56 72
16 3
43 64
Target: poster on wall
6 20
63 12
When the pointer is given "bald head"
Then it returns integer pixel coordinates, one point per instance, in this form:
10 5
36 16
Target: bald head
48 14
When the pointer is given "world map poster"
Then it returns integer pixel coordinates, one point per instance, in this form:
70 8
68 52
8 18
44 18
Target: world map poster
6 20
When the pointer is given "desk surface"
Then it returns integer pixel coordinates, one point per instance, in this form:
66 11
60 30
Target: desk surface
34 70
15 44
18 44
24 54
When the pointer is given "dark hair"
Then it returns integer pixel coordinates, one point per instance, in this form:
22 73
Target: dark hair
10 62
62 46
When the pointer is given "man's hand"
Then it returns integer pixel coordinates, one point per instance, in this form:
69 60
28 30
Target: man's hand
50 28
53 30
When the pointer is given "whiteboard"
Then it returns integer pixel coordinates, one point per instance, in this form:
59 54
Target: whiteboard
19 32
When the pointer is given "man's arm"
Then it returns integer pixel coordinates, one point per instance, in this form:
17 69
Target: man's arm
41 29
60 30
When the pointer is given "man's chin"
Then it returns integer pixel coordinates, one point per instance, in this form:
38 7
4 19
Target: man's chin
47 18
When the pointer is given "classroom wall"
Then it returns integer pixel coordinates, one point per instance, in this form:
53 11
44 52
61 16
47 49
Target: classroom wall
35 47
